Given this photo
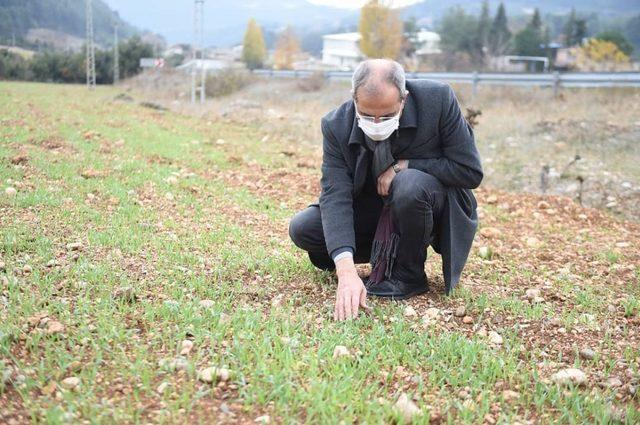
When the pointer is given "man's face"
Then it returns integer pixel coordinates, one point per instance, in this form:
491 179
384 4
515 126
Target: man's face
387 104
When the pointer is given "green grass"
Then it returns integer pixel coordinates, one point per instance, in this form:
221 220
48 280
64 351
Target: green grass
270 323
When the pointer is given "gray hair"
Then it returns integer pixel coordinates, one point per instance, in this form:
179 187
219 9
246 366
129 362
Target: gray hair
394 75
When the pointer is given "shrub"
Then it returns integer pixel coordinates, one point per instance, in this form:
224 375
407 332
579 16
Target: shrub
312 83
225 82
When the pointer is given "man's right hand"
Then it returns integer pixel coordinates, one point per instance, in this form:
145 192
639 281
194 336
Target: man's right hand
351 294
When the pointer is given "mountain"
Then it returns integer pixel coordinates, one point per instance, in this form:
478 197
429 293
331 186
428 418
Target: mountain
225 22
59 19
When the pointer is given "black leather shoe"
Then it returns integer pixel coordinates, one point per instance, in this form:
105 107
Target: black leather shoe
396 289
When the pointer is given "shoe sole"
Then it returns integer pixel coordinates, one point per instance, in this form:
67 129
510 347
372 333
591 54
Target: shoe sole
403 296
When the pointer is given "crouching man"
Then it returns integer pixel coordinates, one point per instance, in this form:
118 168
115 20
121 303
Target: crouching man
399 160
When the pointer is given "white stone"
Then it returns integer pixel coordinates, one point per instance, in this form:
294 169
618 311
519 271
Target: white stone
213 374
186 347
410 311
495 338
406 408
569 376
340 351
11 192
70 383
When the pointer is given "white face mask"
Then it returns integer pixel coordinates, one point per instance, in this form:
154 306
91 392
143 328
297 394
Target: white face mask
381 130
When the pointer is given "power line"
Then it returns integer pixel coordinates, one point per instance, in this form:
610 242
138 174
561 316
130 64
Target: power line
198 51
91 49
116 56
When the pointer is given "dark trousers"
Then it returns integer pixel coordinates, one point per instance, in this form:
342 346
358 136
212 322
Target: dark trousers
416 199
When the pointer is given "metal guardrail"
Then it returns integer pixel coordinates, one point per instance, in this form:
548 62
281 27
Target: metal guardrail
555 80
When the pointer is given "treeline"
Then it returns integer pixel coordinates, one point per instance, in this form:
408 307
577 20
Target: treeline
67 67
17 17
471 40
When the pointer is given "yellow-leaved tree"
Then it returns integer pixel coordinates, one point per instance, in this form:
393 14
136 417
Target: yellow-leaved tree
287 49
601 55
254 51
381 30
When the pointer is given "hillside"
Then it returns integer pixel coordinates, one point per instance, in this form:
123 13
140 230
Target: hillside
57 19
146 276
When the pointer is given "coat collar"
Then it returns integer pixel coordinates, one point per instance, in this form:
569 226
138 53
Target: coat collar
409 119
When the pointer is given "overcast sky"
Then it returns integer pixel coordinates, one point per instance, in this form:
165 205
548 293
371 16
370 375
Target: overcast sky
358 3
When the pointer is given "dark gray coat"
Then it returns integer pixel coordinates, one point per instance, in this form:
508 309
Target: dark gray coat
443 147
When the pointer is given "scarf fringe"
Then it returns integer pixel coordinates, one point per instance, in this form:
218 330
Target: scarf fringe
385 251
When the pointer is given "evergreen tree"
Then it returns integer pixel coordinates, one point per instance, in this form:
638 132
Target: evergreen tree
381 31
575 30
254 51
484 29
500 36
528 42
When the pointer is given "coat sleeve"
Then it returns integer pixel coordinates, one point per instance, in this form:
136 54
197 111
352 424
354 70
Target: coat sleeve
460 164
336 198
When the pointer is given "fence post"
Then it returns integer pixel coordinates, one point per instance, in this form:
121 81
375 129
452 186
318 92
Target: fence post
556 83
476 80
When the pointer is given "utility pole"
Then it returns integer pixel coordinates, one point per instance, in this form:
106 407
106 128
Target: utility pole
116 56
91 50
198 52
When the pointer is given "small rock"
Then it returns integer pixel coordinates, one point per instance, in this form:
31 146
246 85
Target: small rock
467 320
54 327
162 387
207 303
460 311
3 266
406 408
171 180
532 293
172 365
10 192
340 351
623 244
537 300
432 313
125 293
613 382
70 383
492 199
186 347
570 376
533 242
543 205
264 419
410 311
510 395
27 269
495 338
213 374
485 252
490 232
587 354
74 246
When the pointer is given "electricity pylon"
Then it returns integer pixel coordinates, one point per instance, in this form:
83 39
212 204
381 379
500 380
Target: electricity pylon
91 49
198 52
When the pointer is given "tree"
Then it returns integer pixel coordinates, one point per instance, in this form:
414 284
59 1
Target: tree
500 36
528 41
600 55
575 29
484 29
130 53
287 48
617 38
454 31
381 31
254 51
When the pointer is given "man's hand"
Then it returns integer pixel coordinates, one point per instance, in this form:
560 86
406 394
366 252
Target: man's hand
385 179
351 294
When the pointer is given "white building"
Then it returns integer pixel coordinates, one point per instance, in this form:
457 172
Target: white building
341 50
427 43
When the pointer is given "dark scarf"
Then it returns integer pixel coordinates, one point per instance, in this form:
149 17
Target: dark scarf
385 241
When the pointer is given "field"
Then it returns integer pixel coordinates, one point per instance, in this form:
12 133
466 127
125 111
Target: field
139 247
